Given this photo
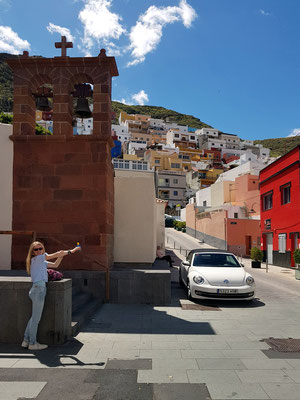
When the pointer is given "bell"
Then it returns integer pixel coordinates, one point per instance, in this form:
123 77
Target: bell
43 104
82 109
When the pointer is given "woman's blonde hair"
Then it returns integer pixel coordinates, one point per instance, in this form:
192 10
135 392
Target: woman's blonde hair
30 254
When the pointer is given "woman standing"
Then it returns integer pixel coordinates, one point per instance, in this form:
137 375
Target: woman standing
36 266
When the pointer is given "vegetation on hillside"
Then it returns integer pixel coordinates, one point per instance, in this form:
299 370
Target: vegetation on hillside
6 101
279 146
160 113
6 84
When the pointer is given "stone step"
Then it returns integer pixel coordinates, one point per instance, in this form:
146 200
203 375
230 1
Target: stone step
85 307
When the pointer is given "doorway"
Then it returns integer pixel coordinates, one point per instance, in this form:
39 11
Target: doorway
269 245
294 246
248 245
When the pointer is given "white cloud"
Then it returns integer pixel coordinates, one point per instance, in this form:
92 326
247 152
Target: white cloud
141 97
10 42
99 23
147 33
62 31
123 101
295 132
265 13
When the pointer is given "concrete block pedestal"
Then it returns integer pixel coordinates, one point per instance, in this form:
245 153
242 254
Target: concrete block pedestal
15 311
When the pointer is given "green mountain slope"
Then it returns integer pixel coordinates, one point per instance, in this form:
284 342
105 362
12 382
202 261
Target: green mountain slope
279 146
6 84
6 101
160 113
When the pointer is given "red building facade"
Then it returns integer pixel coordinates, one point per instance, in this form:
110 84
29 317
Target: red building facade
280 208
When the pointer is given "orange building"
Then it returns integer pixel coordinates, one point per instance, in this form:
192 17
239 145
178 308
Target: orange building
233 225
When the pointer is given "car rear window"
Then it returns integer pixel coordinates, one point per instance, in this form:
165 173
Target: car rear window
215 260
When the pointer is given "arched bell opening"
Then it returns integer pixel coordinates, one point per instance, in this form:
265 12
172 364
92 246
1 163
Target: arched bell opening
44 109
83 109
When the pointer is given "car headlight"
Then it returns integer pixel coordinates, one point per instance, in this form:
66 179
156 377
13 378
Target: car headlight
249 280
198 279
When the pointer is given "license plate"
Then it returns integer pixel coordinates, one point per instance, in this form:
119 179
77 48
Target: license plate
227 291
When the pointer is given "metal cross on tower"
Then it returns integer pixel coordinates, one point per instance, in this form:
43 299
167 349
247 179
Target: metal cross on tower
63 45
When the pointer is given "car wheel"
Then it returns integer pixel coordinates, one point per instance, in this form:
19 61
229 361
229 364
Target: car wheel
189 293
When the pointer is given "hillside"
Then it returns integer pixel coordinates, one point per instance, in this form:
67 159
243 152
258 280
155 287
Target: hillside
6 101
160 113
6 84
279 146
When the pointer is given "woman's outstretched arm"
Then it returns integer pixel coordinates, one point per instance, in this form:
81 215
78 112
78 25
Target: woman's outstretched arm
62 253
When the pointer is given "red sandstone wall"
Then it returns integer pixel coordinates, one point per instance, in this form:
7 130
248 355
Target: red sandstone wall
63 190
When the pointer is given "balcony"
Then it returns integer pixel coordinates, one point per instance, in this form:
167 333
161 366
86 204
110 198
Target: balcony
131 165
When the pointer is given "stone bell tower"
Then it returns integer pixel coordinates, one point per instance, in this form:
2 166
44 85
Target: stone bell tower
63 183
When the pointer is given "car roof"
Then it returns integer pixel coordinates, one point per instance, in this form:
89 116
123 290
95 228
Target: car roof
209 251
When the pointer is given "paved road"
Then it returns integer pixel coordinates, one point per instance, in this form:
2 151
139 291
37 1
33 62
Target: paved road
173 352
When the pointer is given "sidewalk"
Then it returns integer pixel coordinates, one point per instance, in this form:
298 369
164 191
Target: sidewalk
145 352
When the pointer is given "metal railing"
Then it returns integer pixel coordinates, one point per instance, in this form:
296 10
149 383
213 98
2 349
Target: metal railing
179 248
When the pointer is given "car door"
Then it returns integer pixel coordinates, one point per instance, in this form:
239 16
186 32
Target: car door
185 268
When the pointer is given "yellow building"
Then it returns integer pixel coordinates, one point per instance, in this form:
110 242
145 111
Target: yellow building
141 136
123 117
163 160
131 157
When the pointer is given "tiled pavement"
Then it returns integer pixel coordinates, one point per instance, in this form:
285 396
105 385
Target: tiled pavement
144 352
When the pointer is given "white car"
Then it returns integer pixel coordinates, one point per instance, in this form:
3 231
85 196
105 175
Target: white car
215 274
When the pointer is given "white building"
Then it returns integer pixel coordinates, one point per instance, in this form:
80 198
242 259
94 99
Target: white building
248 167
173 125
176 136
121 131
157 124
134 145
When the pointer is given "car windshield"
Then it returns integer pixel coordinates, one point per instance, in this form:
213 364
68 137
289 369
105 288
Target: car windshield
215 260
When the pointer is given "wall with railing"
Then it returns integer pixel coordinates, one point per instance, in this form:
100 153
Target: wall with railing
131 165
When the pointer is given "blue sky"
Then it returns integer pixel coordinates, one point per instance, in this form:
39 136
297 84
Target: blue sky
235 64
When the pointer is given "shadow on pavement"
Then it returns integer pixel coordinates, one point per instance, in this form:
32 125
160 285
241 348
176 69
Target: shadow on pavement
51 357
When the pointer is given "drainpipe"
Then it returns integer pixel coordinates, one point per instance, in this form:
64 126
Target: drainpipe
195 221
225 226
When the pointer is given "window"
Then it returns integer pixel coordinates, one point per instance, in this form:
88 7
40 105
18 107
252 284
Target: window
175 180
157 161
176 135
204 203
192 137
236 215
186 157
282 243
286 194
175 193
268 201
175 165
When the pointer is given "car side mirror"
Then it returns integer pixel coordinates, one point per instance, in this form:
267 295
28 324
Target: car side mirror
242 265
186 263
